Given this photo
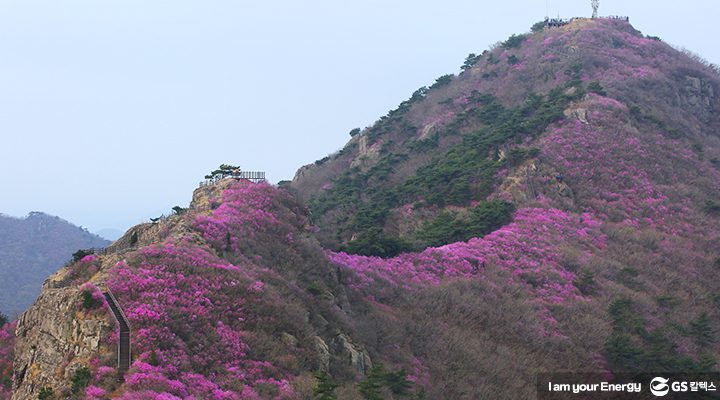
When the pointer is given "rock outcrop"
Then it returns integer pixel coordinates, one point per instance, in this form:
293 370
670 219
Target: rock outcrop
354 355
699 95
55 336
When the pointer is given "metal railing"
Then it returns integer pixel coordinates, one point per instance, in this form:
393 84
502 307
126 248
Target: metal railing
252 176
124 345
558 22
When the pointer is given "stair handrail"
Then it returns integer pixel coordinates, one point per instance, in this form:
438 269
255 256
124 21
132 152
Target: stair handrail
120 310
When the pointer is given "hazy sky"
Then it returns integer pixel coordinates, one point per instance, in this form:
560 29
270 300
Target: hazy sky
112 111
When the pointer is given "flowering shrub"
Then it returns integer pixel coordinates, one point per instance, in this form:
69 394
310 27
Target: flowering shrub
186 307
528 248
92 297
94 392
246 211
90 258
7 341
82 270
622 174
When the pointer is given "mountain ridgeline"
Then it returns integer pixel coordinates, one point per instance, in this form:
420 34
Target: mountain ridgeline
553 206
31 249
451 146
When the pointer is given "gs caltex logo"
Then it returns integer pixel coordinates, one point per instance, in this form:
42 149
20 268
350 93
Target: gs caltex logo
659 386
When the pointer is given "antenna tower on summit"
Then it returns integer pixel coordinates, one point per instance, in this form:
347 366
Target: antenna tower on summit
549 6
595 5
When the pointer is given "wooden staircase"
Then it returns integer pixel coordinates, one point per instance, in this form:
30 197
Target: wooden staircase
124 353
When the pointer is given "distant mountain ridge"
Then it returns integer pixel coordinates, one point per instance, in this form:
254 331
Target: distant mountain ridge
31 249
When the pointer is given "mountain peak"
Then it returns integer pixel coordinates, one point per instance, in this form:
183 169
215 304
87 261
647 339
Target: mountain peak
451 143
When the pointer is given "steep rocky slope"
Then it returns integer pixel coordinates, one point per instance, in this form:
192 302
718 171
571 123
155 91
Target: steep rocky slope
31 249
585 102
567 182
231 299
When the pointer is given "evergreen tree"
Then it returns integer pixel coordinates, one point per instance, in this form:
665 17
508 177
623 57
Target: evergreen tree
596 87
325 390
538 26
78 255
179 210
702 330
45 393
397 382
470 61
370 387
134 238
223 171
705 364
81 380
154 359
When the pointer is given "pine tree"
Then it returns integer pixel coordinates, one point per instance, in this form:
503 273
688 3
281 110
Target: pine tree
224 171
325 390
370 386
397 382
179 210
702 330
377 379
